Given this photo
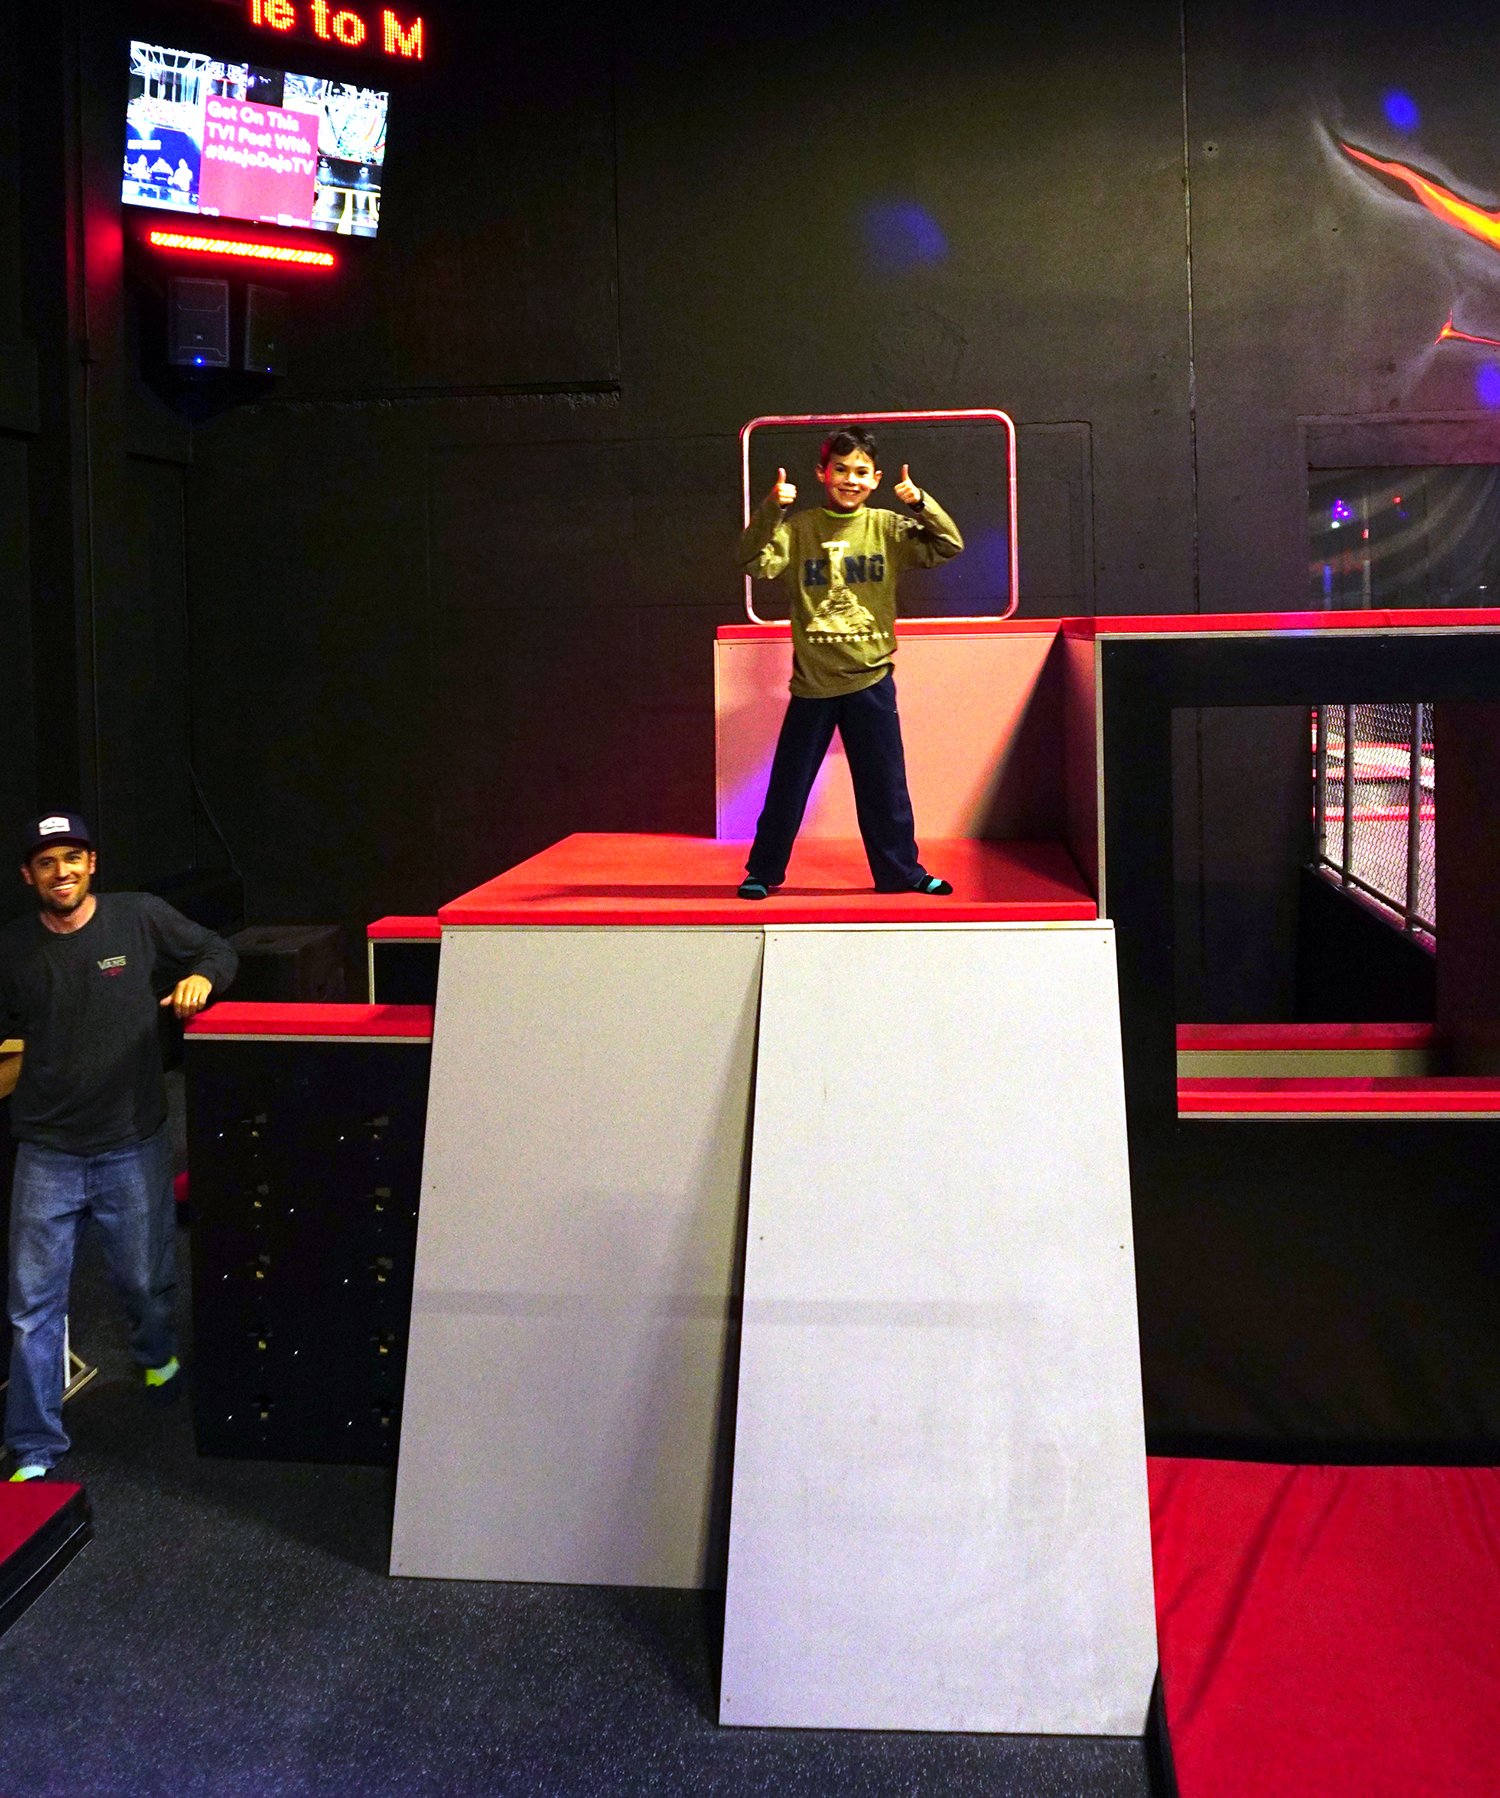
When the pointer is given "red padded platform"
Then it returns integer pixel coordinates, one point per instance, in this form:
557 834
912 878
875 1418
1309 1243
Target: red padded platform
1168 624
406 930
43 1524
780 629
1329 1632
383 1023
691 880
1245 1038
1190 624
26 1508
1244 1095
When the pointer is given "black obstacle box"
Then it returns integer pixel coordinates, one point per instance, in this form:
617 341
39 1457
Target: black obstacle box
306 1161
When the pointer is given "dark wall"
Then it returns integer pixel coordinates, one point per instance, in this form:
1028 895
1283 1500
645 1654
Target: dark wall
449 588
18 429
489 556
93 603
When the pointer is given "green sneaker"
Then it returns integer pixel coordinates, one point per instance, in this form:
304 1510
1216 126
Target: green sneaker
164 1383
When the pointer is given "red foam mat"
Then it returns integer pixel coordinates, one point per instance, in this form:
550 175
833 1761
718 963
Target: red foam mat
1364 1095
43 1524
409 930
656 880
1166 624
253 1018
1243 1038
1329 1632
26 1508
1198 624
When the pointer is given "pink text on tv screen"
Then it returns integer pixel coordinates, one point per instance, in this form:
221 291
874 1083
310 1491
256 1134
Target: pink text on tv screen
235 140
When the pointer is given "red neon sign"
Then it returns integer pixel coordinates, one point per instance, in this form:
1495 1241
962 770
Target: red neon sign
233 246
335 24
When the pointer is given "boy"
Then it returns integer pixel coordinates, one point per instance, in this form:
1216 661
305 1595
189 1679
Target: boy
841 561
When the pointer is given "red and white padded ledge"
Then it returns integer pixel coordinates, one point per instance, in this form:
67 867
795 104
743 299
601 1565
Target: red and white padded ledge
404 930
1175 624
1338 1095
249 1021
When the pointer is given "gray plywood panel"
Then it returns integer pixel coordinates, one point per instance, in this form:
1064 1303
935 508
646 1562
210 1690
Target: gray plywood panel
940 1515
576 1266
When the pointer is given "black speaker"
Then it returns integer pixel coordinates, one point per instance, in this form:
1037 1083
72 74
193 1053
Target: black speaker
290 963
265 330
197 323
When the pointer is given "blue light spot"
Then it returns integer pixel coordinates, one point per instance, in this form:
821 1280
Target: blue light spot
988 556
1402 111
1487 383
901 235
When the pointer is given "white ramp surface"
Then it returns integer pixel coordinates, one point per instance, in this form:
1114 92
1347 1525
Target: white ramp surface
939 1515
576 1274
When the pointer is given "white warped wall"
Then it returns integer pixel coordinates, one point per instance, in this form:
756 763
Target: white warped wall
939 1515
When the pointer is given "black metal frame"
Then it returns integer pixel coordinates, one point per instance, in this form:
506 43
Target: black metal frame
1289 1272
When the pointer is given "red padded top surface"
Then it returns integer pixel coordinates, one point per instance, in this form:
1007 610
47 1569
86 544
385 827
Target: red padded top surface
1166 624
780 628
245 1018
404 930
1246 1037
24 1508
617 880
1339 1093
1271 623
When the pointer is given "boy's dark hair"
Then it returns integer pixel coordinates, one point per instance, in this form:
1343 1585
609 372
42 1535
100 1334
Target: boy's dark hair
845 440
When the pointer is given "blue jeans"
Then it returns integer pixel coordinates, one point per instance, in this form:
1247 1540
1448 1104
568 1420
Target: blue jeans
128 1193
871 730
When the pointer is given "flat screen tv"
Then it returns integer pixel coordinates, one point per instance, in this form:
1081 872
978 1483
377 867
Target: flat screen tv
235 140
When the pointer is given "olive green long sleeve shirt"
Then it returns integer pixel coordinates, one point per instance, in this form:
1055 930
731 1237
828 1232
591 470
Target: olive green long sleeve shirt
840 570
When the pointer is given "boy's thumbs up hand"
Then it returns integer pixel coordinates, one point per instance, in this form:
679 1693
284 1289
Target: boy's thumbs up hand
906 490
784 491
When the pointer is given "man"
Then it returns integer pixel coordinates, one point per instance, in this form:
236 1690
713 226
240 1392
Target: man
82 982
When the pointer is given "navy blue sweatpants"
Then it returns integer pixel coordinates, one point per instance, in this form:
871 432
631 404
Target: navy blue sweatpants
871 731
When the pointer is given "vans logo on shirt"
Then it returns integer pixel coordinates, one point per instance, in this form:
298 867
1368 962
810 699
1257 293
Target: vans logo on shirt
112 964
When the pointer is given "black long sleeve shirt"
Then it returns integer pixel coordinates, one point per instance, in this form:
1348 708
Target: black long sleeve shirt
87 1003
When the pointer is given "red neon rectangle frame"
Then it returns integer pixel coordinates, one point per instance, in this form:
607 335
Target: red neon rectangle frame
969 414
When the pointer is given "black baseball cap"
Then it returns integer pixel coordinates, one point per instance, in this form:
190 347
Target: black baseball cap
54 827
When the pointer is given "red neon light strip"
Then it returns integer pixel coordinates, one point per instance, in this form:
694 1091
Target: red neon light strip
230 246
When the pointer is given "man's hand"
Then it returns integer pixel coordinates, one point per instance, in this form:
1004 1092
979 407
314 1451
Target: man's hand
906 490
783 492
189 996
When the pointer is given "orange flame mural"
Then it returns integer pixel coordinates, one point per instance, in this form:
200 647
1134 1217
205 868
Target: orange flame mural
1440 201
1451 334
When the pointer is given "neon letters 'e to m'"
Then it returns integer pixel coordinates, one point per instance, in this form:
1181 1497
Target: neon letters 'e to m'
341 25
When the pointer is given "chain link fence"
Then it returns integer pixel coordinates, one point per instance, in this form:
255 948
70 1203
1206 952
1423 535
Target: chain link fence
1376 805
